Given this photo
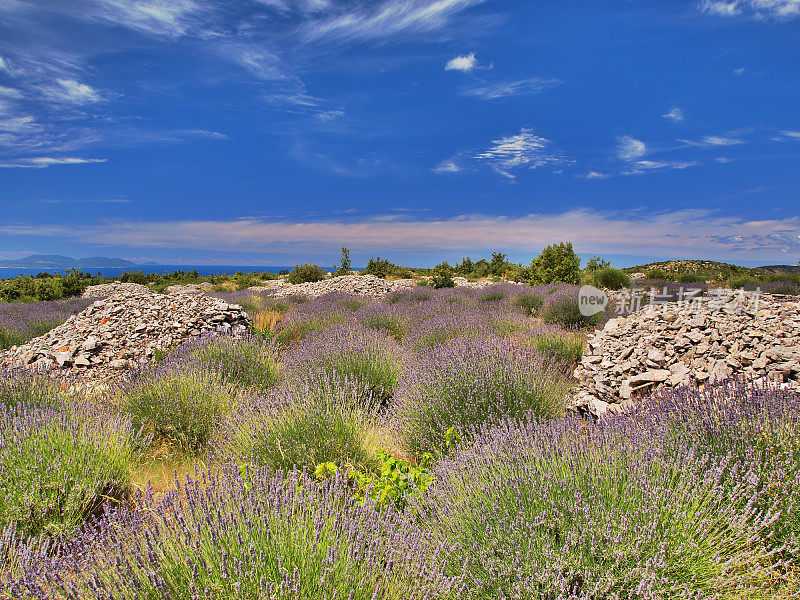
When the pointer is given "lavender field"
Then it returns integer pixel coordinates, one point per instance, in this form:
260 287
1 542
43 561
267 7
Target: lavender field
416 446
22 322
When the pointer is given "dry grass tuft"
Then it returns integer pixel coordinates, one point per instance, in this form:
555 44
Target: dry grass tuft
267 320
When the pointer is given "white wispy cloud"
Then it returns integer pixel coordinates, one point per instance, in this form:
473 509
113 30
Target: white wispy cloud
640 167
461 63
710 141
389 18
20 124
8 92
780 9
155 17
42 162
447 166
675 114
493 91
302 6
695 233
718 7
629 148
596 175
3 64
526 149
792 135
69 90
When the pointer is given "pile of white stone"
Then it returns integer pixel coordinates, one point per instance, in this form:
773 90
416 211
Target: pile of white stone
358 285
685 343
115 287
124 329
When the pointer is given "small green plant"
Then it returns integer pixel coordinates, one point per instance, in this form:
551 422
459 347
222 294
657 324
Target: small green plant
395 483
442 276
564 348
305 273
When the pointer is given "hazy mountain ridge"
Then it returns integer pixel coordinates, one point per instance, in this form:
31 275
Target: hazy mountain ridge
56 261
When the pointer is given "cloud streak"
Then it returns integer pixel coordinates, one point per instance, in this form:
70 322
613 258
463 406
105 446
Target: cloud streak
526 149
390 18
629 148
696 233
42 162
776 9
494 91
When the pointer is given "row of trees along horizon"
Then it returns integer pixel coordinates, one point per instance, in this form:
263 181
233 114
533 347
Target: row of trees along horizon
557 263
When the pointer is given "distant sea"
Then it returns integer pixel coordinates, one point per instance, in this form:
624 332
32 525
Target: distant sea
9 272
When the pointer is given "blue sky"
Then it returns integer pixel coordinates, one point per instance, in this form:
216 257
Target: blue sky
274 131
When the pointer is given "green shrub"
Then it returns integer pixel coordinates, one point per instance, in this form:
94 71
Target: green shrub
442 276
557 263
739 281
59 466
596 263
563 310
305 273
529 302
609 278
176 408
379 267
498 264
657 273
690 278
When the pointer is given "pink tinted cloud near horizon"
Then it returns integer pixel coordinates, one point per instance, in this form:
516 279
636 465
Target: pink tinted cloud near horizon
697 233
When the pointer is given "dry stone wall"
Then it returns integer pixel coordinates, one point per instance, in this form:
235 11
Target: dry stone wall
117 332
689 343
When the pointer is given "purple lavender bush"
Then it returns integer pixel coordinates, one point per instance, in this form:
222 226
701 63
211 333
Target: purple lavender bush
22 322
244 361
471 381
248 534
311 316
58 465
20 386
392 319
562 509
175 405
313 421
369 358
